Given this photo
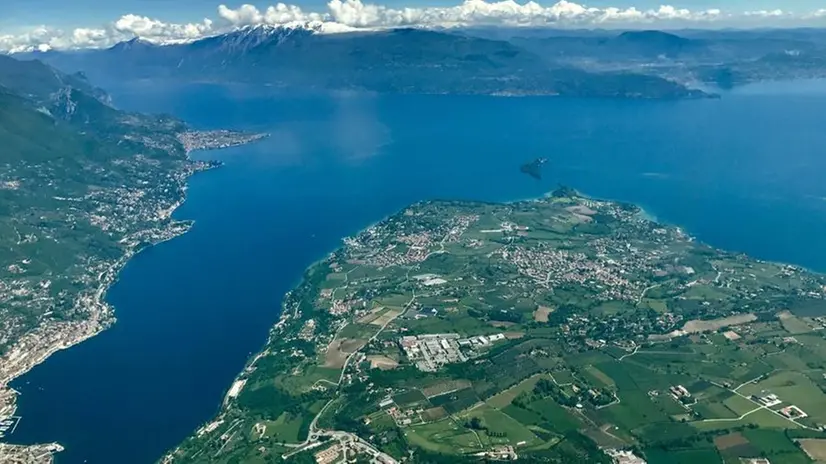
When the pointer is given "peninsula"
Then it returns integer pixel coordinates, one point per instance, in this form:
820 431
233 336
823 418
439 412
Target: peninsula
564 329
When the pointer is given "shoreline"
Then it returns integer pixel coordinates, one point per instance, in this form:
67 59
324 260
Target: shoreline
101 321
102 314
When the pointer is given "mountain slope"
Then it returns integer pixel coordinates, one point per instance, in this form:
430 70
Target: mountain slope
34 79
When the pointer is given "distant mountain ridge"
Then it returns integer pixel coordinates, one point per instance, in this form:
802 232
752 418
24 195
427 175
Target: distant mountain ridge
655 43
391 61
722 58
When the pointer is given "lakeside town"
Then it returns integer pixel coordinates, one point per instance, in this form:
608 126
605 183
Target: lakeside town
217 139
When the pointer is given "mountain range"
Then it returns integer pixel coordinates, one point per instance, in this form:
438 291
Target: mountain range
695 57
493 61
392 61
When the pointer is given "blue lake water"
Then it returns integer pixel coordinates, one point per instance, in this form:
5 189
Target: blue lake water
744 173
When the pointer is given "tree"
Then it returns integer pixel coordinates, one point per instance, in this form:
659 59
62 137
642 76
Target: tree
475 424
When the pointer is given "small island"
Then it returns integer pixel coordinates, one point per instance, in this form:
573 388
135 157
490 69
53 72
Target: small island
534 168
563 329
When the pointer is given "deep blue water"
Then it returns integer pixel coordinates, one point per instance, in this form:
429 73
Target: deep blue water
744 173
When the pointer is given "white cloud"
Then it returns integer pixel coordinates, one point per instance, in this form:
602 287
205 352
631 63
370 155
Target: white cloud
125 28
280 13
506 12
348 15
152 29
766 13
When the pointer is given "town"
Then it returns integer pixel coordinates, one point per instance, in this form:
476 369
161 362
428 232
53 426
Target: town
216 139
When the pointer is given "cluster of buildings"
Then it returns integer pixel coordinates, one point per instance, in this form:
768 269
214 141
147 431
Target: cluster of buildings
349 448
330 455
417 246
398 242
307 330
679 393
552 267
767 400
432 351
200 140
33 454
624 456
793 412
499 453
405 417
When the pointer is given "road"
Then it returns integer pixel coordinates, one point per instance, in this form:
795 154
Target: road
314 432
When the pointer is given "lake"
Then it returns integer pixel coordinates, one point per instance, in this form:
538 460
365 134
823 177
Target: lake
742 173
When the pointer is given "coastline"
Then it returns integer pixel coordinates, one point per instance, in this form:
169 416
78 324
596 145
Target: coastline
102 314
101 320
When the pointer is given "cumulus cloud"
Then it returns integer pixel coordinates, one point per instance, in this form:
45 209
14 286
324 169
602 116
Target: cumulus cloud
152 29
359 15
349 15
125 28
766 13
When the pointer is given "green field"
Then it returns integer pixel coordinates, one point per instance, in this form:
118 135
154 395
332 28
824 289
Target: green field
597 377
689 456
286 428
456 401
525 416
634 410
794 325
560 418
761 418
443 436
409 397
776 445
739 405
503 399
563 377
500 423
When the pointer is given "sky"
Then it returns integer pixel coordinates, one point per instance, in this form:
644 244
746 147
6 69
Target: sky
60 24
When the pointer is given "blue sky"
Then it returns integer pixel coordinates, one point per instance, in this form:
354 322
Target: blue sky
78 13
